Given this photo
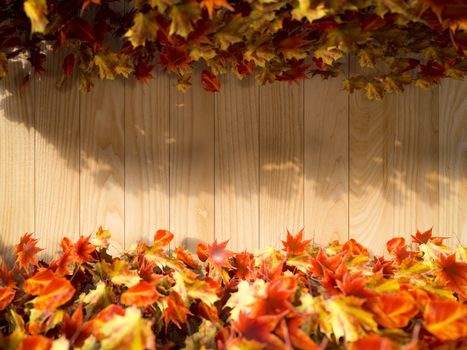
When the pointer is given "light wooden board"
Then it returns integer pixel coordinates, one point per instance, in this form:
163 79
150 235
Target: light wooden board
57 155
192 165
326 160
414 177
281 162
237 163
16 160
147 140
453 161
102 161
393 166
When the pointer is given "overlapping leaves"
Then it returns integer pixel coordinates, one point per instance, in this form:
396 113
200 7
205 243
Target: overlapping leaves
301 297
396 42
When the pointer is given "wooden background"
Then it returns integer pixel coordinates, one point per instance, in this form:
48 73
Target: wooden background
244 164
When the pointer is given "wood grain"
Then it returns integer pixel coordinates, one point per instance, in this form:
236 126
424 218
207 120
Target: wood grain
16 160
102 161
326 160
453 161
281 162
371 209
147 143
415 173
192 165
57 156
393 166
237 163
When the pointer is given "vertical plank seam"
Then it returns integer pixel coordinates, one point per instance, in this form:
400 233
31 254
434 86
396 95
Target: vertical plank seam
34 151
169 117
124 162
303 156
348 151
214 115
259 164
79 163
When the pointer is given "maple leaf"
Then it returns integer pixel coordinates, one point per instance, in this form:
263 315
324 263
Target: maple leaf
348 319
323 263
185 256
36 284
295 245
143 69
354 285
144 28
373 341
385 266
291 46
355 248
128 331
36 10
54 294
394 310
7 295
258 328
68 65
398 248
454 273
36 342
26 251
175 311
276 298
162 238
218 256
244 264
6 277
289 328
183 16
211 5
141 295
111 64
425 237
210 81
101 239
83 249
74 329
446 319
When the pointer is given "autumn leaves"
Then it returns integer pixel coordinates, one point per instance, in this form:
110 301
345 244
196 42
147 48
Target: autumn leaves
300 297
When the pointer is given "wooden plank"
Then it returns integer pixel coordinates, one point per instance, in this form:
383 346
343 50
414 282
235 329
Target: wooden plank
57 156
192 165
415 173
237 163
102 161
393 166
16 160
146 158
281 161
453 161
371 209
326 160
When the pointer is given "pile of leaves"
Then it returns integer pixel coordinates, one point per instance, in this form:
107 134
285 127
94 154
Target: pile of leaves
398 42
300 297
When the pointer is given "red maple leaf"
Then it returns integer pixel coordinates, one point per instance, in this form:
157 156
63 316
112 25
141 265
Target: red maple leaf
218 256
398 248
277 297
354 285
453 273
7 295
74 329
141 294
210 81
26 251
257 328
380 264
290 329
245 266
82 250
162 238
7 277
175 311
424 237
323 263
295 245
355 248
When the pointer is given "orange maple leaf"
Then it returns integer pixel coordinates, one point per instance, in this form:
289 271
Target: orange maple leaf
355 248
394 310
141 295
7 277
373 341
74 329
162 238
175 310
277 297
83 249
36 284
55 294
446 319
295 245
218 256
36 342
259 329
211 5
453 273
424 237
7 295
26 251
